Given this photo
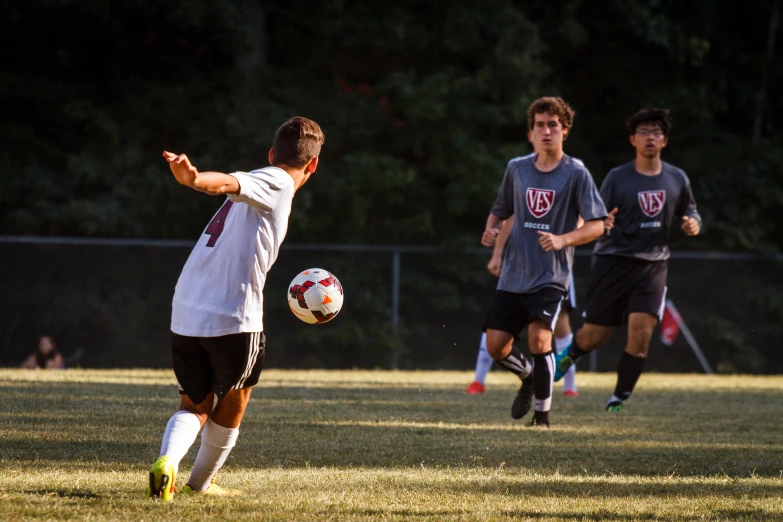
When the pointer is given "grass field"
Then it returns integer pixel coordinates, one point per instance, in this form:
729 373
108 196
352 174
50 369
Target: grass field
357 445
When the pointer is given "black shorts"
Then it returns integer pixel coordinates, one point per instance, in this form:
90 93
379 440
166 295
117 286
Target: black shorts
624 285
217 364
512 312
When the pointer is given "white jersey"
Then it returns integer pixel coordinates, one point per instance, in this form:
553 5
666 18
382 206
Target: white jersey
219 291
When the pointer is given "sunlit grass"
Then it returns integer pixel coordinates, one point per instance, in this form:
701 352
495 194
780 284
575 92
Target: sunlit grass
354 445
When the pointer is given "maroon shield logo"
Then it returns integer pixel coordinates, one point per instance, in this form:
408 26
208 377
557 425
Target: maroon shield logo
539 201
652 202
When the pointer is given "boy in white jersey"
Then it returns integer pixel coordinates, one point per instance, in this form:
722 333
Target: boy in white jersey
217 311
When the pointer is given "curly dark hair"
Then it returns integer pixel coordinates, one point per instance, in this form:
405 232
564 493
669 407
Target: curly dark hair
654 116
554 106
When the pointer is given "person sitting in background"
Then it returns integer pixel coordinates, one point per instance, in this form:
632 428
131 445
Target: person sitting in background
47 357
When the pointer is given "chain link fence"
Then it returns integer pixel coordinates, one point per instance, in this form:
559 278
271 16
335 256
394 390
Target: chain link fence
108 304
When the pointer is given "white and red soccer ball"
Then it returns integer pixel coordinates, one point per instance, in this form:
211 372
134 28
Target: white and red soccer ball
315 296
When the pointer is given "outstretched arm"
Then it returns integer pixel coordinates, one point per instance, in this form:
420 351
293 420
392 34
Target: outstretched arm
212 183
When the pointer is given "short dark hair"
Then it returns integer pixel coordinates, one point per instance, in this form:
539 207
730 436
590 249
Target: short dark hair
297 141
554 106
659 117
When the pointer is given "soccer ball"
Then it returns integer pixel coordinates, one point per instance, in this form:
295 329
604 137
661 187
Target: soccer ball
315 296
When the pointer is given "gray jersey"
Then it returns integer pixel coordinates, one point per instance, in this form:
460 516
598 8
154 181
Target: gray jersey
547 201
648 208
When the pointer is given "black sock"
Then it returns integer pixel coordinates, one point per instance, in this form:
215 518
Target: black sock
516 363
628 371
574 351
543 378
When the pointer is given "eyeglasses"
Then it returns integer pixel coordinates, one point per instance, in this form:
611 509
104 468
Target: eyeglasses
655 133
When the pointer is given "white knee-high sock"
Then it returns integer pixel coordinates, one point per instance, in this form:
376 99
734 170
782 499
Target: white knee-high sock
569 379
181 431
216 444
483 361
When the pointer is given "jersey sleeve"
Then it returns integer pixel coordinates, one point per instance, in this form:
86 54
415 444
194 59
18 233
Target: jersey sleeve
260 189
504 204
686 206
607 191
589 200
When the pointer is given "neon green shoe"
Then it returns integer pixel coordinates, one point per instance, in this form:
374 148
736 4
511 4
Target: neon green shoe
212 490
162 476
615 407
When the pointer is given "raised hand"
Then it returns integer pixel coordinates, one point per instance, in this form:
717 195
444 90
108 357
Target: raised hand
609 221
181 168
550 242
690 226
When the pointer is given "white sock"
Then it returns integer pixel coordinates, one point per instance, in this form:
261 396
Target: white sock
181 432
614 398
483 361
569 379
216 444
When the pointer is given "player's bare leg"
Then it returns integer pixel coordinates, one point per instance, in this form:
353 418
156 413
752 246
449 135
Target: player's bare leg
217 439
563 339
640 329
500 346
539 338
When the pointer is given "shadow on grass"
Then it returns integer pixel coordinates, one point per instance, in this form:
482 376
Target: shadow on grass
63 493
604 514
84 423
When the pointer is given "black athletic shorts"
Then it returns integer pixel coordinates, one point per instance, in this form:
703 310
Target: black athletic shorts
217 364
623 285
512 312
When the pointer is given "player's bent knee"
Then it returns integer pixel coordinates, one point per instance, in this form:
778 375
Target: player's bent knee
539 337
592 336
499 344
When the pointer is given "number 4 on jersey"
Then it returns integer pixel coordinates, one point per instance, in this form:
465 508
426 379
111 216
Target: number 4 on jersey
215 227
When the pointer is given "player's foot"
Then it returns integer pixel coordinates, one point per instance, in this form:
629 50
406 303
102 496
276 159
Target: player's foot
614 406
571 393
524 398
212 490
540 420
475 388
162 476
563 362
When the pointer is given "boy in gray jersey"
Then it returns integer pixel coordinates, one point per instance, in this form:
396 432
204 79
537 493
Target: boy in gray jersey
563 334
628 282
546 194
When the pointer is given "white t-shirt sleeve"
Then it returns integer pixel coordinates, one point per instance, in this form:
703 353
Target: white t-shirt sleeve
261 188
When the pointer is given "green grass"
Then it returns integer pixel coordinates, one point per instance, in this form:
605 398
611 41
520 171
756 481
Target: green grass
360 445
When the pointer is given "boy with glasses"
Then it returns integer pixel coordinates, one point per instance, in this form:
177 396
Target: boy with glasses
628 281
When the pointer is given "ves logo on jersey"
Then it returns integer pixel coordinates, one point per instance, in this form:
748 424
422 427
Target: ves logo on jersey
539 201
651 202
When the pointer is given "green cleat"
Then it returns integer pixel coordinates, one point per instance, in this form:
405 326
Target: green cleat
162 476
615 406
